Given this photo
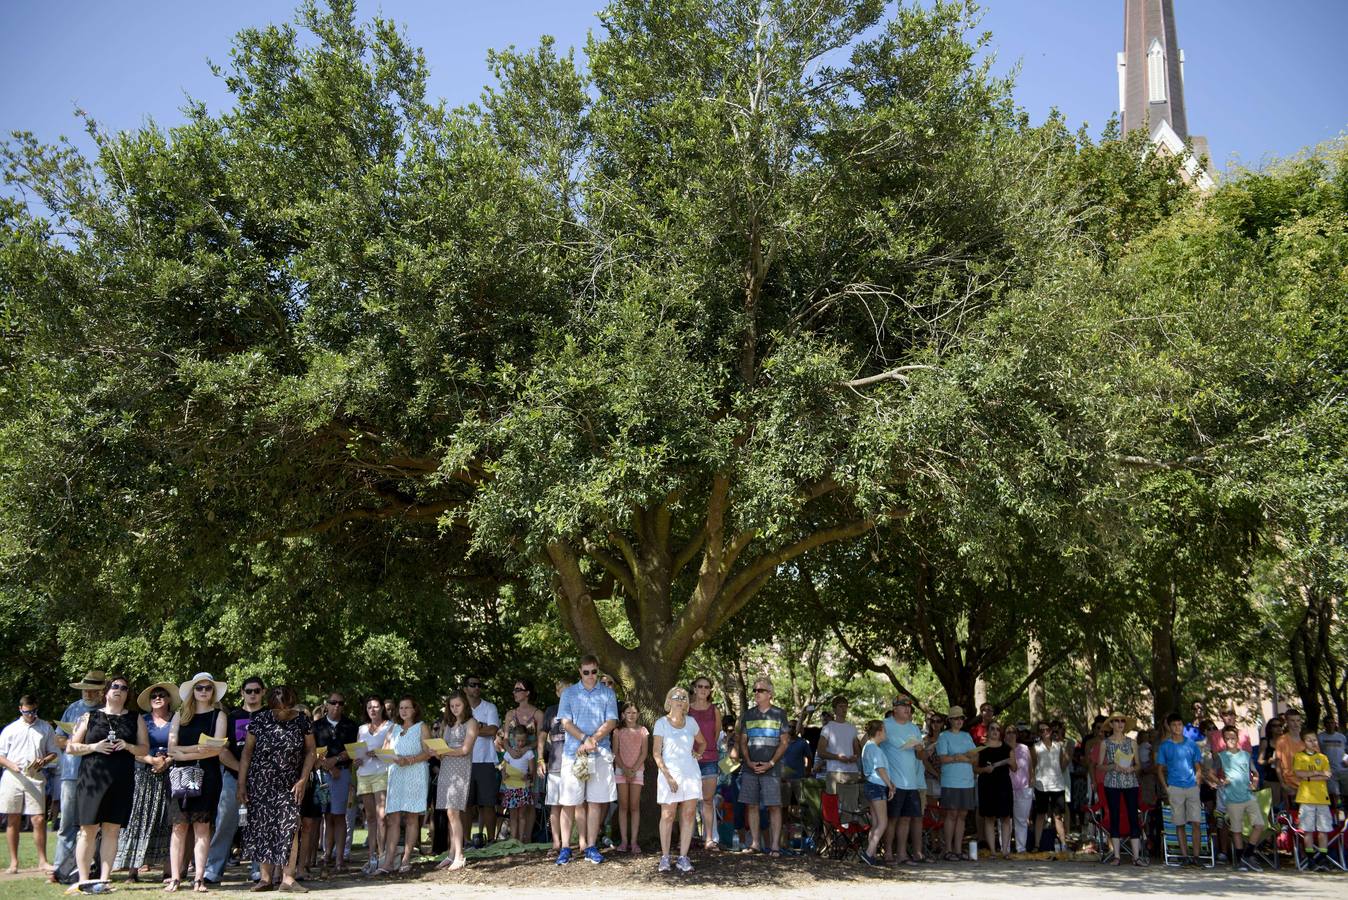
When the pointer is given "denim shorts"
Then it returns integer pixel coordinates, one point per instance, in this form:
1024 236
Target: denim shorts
875 791
709 769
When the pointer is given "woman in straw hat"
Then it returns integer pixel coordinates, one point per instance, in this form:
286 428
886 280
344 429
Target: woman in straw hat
1116 756
199 716
145 840
109 738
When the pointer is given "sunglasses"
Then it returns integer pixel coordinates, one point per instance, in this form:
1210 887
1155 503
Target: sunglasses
472 684
27 712
519 690
589 671
903 702
116 687
205 688
761 691
159 695
678 698
254 690
1118 721
336 703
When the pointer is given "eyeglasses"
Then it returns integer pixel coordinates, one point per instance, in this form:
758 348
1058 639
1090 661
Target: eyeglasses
27 712
903 702
519 690
116 687
589 671
252 690
205 688
336 703
472 684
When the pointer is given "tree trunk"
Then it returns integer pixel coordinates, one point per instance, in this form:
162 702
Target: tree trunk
1033 656
640 566
1164 665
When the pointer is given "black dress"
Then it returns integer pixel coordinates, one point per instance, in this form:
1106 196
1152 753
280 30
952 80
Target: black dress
107 781
200 808
273 769
994 788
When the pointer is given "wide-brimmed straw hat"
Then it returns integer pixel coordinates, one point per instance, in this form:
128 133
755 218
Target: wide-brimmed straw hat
143 699
1129 722
955 712
185 689
94 680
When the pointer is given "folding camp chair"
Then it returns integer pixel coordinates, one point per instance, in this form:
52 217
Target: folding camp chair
1170 845
846 823
1294 840
1265 852
811 813
933 820
1097 826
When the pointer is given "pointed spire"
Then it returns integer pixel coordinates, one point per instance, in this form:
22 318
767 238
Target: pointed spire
1151 68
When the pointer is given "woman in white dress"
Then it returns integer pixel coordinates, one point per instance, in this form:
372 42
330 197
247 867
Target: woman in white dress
372 778
677 746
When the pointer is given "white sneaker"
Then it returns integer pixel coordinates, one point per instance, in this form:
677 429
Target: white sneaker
664 864
683 865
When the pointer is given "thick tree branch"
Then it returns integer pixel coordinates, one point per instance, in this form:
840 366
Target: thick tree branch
612 566
394 509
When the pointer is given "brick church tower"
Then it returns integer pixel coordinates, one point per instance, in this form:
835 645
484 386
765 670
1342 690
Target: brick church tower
1151 83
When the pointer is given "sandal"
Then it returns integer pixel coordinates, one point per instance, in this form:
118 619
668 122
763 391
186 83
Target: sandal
1137 861
404 868
383 871
951 857
171 885
199 886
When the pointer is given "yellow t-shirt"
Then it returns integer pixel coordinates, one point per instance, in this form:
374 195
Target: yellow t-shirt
1313 792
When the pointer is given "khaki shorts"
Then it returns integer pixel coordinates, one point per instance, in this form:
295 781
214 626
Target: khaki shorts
20 794
1237 814
1185 807
372 784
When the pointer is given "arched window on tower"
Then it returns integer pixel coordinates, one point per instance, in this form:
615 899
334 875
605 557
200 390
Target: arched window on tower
1156 72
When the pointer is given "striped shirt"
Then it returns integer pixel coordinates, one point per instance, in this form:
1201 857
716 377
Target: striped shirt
763 730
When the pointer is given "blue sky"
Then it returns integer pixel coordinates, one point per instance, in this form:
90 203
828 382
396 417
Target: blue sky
1262 79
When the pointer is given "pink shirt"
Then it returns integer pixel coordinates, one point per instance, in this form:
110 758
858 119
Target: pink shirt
1217 743
706 723
1020 777
627 743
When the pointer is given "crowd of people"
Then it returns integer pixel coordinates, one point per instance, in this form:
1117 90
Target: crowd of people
174 777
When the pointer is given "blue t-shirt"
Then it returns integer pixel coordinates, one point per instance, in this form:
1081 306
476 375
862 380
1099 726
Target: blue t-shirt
872 758
588 711
1179 760
70 764
955 774
1236 765
793 761
904 769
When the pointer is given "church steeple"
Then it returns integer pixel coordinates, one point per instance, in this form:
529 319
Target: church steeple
1151 79
1151 68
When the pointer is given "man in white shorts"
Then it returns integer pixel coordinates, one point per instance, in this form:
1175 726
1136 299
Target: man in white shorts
588 711
26 746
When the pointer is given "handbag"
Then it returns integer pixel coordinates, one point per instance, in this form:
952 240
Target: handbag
727 765
185 781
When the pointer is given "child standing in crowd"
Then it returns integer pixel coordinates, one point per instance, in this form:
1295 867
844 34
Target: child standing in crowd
1237 786
1312 769
517 769
878 786
629 768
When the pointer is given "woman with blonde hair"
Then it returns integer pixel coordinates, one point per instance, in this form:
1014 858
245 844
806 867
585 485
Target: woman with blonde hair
677 746
197 782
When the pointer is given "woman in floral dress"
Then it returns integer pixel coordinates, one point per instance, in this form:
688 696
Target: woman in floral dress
277 758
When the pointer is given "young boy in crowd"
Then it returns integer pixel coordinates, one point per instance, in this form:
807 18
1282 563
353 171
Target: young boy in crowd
1237 792
1312 767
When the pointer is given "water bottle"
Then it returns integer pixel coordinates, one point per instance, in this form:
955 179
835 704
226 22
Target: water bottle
735 842
243 815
